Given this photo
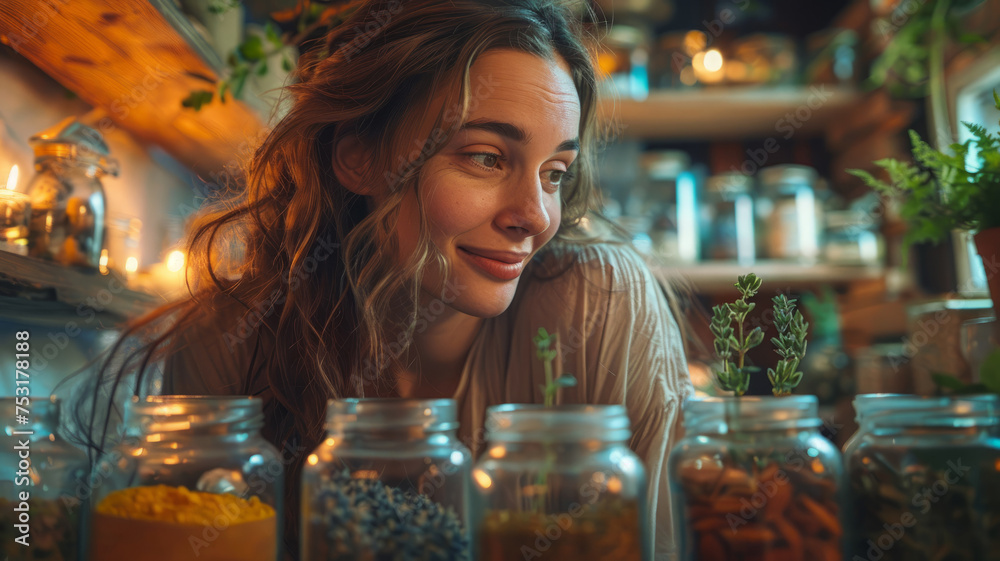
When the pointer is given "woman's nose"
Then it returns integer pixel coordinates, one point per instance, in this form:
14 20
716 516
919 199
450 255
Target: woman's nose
525 210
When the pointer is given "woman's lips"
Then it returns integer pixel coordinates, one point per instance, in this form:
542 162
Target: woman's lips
503 265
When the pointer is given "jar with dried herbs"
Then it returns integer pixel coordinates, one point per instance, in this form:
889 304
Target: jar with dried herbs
194 478
925 478
754 479
560 482
391 481
41 485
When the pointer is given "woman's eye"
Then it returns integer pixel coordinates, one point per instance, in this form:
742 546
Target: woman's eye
486 159
557 176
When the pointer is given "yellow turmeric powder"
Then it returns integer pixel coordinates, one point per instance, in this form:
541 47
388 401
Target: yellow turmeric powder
165 523
181 506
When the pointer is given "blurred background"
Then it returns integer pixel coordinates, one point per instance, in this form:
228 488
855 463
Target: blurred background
730 129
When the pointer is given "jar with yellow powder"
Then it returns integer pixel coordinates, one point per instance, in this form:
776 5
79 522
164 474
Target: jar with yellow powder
193 479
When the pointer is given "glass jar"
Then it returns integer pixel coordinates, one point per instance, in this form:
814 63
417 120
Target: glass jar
789 208
753 478
193 478
731 218
668 205
40 499
67 199
851 238
925 480
560 483
390 479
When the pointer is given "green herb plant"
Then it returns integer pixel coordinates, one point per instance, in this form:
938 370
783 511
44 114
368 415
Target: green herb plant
790 344
547 349
940 192
288 28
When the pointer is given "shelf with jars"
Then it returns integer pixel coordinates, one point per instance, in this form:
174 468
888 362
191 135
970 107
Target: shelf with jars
137 61
715 276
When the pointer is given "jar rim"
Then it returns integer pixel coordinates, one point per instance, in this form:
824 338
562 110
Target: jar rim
726 413
909 410
195 413
532 422
353 415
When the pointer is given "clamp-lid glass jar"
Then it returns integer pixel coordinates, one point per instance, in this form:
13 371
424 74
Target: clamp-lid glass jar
391 480
193 478
788 205
731 218
560 483
925 480
41 486
754 478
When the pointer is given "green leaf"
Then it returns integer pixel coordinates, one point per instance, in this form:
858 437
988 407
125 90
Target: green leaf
755 337
223 89
996 99
197 99
989 371
948 381
271 32
286 64
252 49
262 68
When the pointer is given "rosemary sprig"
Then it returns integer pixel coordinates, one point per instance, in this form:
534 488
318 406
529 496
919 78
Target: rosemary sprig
790 344
736 377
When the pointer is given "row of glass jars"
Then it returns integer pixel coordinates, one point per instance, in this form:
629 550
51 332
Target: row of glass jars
920 480
753 479
194 478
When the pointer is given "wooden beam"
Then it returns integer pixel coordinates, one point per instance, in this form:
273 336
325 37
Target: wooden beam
123 56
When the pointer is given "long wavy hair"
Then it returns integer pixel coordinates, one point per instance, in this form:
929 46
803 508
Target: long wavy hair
374 76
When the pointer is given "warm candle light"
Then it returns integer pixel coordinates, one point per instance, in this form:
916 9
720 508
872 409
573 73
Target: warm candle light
713 60
131 265
12 177
175 261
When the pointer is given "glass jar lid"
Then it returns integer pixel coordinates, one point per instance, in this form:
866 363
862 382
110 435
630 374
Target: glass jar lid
360 415
786 178
73 141
901 410
719 415
153 416
514 422
730 183
41 416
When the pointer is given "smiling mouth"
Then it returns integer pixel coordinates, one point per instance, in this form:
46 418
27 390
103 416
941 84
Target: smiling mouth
504 266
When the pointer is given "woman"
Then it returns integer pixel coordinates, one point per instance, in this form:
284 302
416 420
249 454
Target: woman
410 224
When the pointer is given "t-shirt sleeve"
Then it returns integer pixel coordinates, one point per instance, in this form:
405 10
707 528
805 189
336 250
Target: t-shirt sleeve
620 340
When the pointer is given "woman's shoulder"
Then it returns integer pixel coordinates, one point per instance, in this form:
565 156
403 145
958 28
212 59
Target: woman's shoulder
604 265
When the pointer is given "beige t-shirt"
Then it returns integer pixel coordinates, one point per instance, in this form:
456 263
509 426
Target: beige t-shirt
618 338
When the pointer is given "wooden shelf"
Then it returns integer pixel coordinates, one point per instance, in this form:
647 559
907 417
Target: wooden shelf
27 283
711 277
730 113
128 58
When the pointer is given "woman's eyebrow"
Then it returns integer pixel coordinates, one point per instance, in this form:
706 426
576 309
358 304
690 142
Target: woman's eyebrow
515 133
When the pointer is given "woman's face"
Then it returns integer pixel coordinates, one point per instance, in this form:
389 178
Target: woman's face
491 194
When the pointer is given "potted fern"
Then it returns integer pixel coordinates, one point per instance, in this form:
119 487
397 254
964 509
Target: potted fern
940 192
753 476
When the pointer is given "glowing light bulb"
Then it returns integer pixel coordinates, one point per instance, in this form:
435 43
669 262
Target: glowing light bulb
131 265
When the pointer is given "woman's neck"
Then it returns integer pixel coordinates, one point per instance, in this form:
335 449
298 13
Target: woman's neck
436 356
